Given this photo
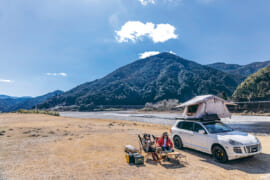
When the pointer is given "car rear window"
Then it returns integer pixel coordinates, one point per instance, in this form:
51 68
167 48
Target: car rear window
179 125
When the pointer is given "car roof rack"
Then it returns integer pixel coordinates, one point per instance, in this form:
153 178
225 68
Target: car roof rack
205 117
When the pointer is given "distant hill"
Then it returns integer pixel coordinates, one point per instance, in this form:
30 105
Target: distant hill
255 87
4 97
224 67
249 69
8 103
241 70
163 76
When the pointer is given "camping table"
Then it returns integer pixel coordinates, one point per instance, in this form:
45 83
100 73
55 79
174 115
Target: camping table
172 155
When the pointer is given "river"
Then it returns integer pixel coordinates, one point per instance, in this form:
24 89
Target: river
252 124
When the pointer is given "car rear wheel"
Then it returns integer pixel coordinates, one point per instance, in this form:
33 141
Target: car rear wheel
220 154
177 142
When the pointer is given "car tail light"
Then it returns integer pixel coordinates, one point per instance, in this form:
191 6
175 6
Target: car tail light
170 130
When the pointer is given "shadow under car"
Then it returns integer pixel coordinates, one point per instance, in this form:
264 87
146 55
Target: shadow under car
258 164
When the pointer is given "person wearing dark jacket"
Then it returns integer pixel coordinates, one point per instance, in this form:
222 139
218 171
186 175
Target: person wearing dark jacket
165 143
147 145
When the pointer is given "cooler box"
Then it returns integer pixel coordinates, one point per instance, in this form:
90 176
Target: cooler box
138 159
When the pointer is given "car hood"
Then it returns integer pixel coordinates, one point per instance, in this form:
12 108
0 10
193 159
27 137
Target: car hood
238 136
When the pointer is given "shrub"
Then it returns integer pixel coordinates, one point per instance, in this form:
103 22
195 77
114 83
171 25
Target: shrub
164 105
24 111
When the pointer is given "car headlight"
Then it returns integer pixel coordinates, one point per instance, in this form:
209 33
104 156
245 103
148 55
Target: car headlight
233 142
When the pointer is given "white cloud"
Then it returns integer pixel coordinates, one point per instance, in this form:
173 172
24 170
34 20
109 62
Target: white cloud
6 81
56 74
172 52
163 32
134 30
151 53
147 54
145 2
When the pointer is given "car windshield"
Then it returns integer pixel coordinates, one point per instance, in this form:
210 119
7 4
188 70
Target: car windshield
217 127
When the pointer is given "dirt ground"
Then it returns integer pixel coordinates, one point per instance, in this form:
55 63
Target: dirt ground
48 147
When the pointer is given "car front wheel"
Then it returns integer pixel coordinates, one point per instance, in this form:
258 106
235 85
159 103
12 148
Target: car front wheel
220 154
178 142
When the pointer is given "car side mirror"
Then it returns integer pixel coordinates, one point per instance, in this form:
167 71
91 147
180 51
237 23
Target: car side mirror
201 131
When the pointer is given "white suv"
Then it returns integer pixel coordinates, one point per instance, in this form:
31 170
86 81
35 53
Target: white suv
216 138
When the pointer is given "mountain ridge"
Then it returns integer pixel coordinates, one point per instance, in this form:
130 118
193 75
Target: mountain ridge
163 76
224 66
255 87
241 70
11 103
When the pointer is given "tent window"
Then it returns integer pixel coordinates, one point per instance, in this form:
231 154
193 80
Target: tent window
192 109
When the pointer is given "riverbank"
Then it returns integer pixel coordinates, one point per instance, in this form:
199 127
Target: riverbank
47 147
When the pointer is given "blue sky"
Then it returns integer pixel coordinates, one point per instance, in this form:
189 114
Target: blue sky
47 45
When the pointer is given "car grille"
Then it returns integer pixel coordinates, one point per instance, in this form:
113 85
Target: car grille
252 148
237 150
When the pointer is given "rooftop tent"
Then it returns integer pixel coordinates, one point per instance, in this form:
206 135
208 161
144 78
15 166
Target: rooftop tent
200 106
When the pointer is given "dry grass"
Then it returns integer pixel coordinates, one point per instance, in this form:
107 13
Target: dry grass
35 146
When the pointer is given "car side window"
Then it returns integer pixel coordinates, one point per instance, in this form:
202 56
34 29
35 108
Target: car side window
187 126
198 127
179 125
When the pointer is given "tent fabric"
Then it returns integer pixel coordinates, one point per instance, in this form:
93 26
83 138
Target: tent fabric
207 104
203 98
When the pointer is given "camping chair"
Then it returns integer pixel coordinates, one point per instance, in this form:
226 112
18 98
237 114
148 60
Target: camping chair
142 151
167 155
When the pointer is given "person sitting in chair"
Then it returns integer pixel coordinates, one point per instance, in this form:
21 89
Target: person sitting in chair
165 143
147 146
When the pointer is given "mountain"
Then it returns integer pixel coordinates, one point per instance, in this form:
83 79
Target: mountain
8 103
12 97
163 76
249 69
224 67
30 103
255 87
5 97
241 70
